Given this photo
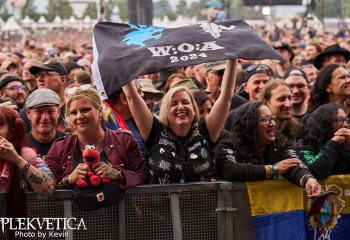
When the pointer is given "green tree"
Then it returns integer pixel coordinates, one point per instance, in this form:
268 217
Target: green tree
123 9
5 14
332 8
161 8
196 9
30 10
61 8
181 8
171 15
91 10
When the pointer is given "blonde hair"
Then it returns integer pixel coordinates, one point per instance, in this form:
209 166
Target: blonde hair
95 100
166 104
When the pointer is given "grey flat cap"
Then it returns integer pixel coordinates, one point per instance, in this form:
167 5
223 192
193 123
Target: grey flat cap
42 97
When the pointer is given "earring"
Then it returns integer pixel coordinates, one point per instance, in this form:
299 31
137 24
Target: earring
102 121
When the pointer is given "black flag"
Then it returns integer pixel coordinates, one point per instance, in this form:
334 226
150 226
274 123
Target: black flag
122 52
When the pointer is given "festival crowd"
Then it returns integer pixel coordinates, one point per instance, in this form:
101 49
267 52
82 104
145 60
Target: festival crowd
237 120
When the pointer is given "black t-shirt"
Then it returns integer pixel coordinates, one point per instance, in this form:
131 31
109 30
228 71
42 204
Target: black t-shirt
42 148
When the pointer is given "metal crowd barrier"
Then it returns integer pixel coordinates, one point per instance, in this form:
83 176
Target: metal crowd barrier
196 211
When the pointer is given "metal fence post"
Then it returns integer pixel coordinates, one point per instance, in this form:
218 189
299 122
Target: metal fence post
67 203
121 213
175 213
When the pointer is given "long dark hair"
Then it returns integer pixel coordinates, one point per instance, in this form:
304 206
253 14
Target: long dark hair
319 125
15 197
318 94
244 131
292 124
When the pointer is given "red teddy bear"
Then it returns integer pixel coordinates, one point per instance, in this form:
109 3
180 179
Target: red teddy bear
91 156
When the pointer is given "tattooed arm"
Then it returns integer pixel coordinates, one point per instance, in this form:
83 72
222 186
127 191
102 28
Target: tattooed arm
39 180
33 169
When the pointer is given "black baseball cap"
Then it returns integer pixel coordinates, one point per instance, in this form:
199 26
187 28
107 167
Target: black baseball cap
5 79
51 66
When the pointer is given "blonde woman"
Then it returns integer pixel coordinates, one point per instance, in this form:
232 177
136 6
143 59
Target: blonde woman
121 159
179 147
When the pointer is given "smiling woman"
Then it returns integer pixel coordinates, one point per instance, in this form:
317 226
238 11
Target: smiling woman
179 146
253 152
121 159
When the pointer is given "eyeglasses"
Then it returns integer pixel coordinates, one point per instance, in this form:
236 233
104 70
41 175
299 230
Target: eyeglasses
17 88
258 68
83 87
341 120
45 74
268 119
298 86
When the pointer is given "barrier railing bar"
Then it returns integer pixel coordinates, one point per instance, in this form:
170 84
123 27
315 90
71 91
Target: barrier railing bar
121 215
67 204
175 213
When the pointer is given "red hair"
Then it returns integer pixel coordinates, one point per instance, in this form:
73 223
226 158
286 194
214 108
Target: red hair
15 197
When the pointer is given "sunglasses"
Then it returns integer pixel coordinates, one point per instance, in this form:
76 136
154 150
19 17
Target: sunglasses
83 87
258 68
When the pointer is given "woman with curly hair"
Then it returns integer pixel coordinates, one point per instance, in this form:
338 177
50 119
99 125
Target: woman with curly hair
332 85
327 142
253 152
278 98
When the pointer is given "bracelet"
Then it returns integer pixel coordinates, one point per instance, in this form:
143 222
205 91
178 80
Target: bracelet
274 171
268 171
22 171
120 175
65 183
305 178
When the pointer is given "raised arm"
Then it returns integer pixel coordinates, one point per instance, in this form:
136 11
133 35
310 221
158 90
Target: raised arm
139 110
217 116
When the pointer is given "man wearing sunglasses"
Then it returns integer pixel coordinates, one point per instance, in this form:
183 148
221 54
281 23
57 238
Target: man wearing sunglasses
256 76
11 86
51 75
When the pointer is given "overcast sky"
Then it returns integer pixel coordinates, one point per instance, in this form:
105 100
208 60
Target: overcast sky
280 10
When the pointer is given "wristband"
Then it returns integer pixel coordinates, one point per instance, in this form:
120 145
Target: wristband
305 178
22 171
268 171
274 171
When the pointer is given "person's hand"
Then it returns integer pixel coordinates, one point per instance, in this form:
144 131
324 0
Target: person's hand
312 187
8 151
286 164
105 171
8 104
80 172
342 136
